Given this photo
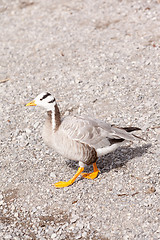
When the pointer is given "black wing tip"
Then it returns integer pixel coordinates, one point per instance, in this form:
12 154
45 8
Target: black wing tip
131 129
114 141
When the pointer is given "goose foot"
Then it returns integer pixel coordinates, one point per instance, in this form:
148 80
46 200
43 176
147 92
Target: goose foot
90 175
93 174
71 181
62 184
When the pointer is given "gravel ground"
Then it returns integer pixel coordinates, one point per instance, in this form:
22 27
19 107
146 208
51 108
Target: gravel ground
98 57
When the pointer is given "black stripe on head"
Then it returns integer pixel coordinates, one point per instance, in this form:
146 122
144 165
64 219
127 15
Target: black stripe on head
52 101
46 95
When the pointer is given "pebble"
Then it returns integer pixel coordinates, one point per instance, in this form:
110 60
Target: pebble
9 180
28 131
157 189
42 238
84 234
74 218
34 210
78 235
36 124
12 208
53 175
7 237
56 229
50 230
79 225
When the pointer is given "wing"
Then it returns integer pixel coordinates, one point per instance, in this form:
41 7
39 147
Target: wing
93 132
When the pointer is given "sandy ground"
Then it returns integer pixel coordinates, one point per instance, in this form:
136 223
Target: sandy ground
100 58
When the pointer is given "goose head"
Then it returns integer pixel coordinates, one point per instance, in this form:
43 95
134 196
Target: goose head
45 100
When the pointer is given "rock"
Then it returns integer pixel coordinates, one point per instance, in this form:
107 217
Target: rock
74 218
79 225
28 131
78 235
53 175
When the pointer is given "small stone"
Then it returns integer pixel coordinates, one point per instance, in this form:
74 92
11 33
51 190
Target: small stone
12 208
42 238
8 237
53 236
1 196
60 231
157 189
158 230
84 235
28 131
34 209
56 229
151 190
74 218
78 235
148 62
71 228
87 225
66 113
50 230
16 133
16 215
36 125
125 237
148 172
9 180
53 175
79 225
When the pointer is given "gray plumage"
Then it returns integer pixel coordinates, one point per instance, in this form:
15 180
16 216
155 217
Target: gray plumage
83 138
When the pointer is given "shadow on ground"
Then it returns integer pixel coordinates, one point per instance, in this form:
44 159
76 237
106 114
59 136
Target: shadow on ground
115 159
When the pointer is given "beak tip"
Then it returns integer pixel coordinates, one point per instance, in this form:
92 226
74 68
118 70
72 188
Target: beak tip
32 103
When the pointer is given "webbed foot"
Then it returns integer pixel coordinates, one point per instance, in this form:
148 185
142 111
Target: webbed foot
62 184
90 175
93 174
71 181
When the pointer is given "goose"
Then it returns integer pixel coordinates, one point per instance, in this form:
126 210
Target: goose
79 138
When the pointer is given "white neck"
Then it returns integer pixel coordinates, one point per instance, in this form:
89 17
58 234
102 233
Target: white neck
53 119
54 115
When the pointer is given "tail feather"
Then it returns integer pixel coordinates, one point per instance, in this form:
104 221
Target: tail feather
139 137
127 129
131 129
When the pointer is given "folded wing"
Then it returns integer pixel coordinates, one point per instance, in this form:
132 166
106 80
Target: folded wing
94 132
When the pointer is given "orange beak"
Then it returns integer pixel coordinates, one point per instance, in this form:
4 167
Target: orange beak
32 103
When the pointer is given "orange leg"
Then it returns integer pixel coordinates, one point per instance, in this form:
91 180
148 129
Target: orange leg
71 181
93 174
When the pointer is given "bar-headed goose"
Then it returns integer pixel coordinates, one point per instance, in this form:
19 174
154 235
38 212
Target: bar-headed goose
79 138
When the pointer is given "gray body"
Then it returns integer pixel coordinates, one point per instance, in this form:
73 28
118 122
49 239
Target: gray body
82 139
